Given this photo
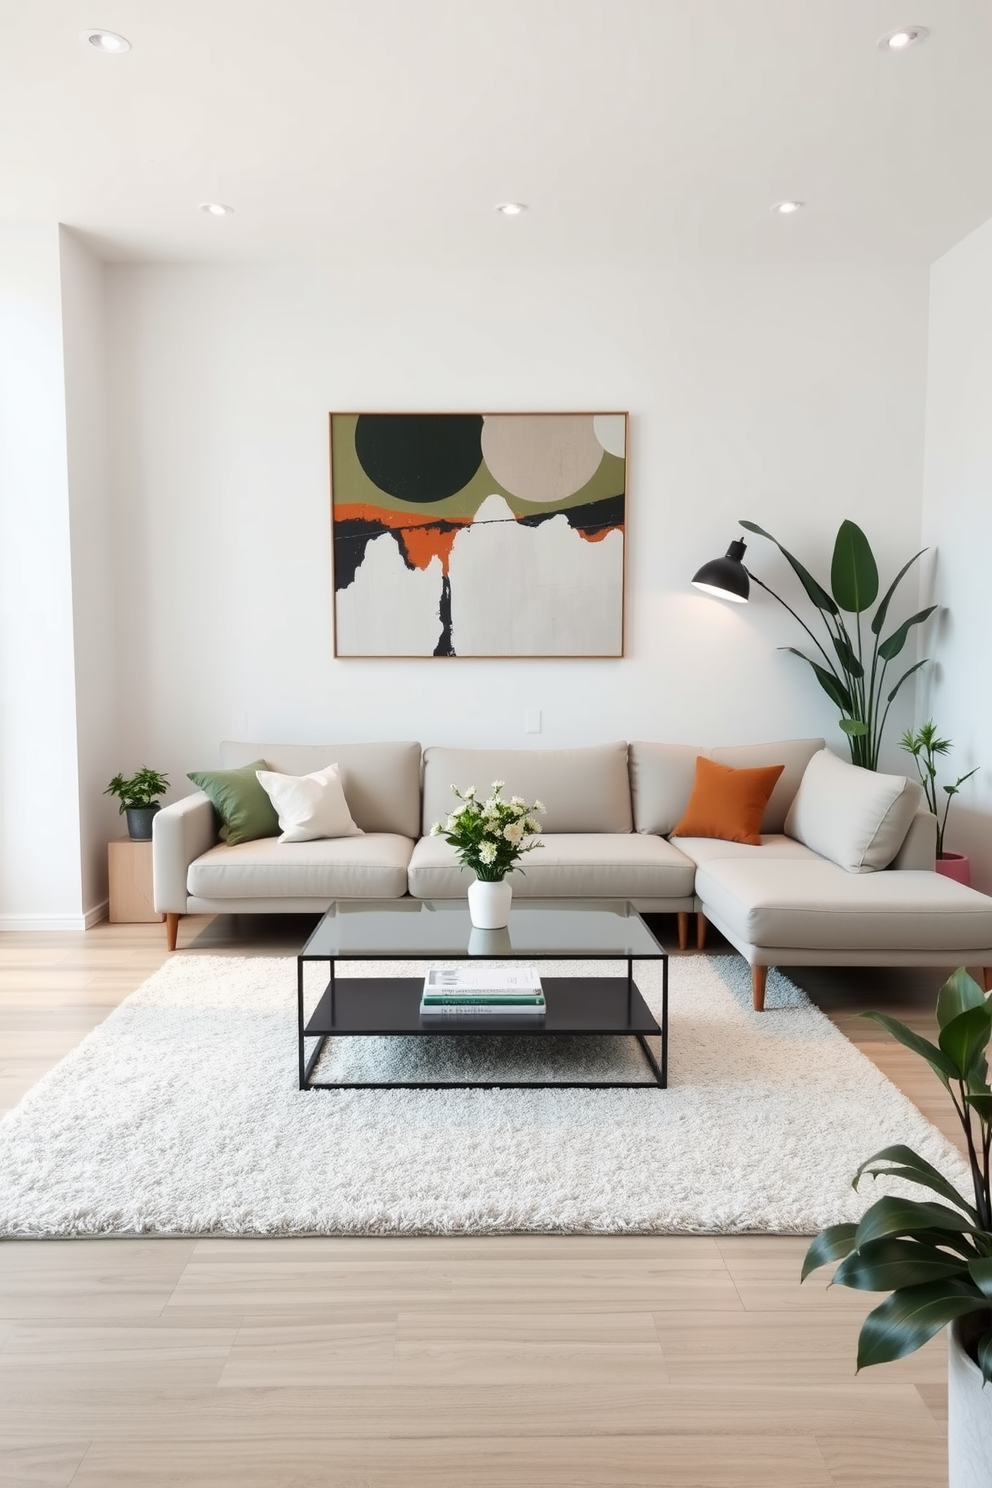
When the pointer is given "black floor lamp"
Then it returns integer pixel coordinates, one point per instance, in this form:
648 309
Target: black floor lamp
726 577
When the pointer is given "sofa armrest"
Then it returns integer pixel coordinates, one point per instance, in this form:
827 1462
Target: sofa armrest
919 848
180 833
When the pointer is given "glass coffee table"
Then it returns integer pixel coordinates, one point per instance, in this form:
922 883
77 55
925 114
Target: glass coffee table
440 930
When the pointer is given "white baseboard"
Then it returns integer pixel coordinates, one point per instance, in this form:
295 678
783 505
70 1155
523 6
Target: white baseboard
45 923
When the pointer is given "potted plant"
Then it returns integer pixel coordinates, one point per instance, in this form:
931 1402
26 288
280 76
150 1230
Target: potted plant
935 1258
138 796
925 746
490 837
852 674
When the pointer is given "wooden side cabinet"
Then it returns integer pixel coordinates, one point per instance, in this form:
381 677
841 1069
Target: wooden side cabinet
130 873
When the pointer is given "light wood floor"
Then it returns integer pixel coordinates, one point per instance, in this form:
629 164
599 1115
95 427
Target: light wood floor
531 1362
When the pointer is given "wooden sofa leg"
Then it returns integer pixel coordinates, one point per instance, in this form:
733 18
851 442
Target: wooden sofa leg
683 922
700 931
171 930
987 978
759 977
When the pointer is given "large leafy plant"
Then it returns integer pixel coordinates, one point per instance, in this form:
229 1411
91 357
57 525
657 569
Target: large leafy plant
854 665
935 1258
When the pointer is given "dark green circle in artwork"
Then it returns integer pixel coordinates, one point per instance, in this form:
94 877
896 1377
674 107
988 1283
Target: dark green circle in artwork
419 457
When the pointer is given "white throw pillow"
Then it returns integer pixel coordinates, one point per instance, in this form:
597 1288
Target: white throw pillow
309 806
857 818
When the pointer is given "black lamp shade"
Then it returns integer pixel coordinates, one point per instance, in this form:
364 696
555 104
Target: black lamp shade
726 577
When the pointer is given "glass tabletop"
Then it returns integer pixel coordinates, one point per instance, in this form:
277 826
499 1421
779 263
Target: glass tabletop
383 929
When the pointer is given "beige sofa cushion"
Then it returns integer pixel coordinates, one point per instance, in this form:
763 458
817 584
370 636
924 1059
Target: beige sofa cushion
819 906
381 781
369 867
579 865
857 818
584 790
662 777
773 845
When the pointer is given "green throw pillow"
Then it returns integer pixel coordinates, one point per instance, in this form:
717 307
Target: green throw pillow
239 801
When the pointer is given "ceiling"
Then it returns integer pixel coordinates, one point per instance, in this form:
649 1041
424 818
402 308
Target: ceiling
344 131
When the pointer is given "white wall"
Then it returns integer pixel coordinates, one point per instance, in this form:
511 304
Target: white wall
957 520
794 398
93 559
39 796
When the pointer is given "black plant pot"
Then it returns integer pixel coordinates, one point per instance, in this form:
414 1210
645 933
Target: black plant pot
139 822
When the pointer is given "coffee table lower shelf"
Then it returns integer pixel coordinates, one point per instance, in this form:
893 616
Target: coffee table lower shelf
594 1007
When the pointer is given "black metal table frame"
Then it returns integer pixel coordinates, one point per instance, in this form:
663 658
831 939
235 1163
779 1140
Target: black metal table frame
658 1070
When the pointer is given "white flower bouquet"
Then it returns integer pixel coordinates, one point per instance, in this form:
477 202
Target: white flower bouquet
491 836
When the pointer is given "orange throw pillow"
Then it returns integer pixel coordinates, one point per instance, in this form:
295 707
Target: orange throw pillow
728 803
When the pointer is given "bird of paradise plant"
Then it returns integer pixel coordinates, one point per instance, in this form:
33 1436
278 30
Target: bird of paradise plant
852 669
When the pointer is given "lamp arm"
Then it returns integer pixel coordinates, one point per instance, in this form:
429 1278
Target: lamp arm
785 606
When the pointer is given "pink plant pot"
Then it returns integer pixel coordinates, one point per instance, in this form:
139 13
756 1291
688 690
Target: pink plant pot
956 866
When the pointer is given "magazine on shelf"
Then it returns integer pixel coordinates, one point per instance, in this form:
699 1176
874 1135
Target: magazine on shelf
482 1009
490 981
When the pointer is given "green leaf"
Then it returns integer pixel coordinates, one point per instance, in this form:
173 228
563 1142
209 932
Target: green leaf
887 1264
829 1245
847 658
906 1320
981 1275
908 1165
853 727
878 619
981 1104
895 1216
938 1061
914 668
853 572
814 591
959 993
966 1036
832 686
984 1352
894 643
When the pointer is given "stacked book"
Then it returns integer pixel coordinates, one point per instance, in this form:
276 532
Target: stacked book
482 991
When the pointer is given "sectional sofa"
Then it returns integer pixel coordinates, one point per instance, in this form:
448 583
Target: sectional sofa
864 894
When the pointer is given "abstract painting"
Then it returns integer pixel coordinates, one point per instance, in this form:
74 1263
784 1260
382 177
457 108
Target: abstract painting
478 534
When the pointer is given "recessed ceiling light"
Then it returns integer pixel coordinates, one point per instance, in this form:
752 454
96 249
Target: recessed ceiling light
511 209
216 209
105 41
906 36
786 208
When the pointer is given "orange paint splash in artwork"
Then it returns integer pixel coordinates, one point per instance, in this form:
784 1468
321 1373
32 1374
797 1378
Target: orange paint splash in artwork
599 534
424 537
591 534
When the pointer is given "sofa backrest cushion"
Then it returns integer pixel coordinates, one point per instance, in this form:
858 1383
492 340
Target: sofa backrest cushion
662 777
381 781
857 818
583 790
794 754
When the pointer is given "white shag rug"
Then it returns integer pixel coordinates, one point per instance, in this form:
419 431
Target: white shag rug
180 1115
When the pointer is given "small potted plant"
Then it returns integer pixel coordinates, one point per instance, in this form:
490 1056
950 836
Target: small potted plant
925 746
138 796
934 1258
490 837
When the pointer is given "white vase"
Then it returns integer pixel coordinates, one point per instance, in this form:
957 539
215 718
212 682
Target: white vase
969 1419
489 904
